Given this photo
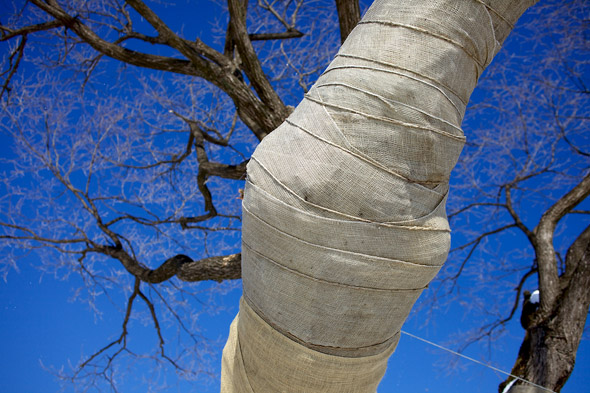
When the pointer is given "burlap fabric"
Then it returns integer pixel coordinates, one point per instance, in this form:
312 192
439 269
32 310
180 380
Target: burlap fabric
344 219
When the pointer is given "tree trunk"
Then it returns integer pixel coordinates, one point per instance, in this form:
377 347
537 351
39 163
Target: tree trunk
344 220
548 352
349 14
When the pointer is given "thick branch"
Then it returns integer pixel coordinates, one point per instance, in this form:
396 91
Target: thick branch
235 172
548 277
9 33
565 204
517 221
276 36
349 15
255 114
250 61
213 268
115 51
193 50
202 176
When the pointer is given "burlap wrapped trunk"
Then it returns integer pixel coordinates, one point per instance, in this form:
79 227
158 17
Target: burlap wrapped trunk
344 221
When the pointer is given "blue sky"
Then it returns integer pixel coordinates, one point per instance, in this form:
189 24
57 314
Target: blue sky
44 329
41 326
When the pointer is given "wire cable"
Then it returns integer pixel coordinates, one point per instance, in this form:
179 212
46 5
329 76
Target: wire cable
476 361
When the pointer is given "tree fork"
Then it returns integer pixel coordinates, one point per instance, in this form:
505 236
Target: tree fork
548 352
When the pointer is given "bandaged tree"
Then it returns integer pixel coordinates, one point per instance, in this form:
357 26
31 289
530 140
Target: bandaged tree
344 208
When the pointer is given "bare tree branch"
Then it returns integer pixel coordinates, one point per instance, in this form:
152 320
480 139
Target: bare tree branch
104 179
158 330
115 51
194 51
213 268
10 33
122 338
255 114
286 35
250 62
13 64
517 221
487 330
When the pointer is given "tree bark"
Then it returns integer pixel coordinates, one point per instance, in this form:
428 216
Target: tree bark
548 353
349 15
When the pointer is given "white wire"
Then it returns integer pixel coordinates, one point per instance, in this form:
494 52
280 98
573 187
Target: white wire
476 361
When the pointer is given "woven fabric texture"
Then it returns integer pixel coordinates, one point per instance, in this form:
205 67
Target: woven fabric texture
344 220
253 343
